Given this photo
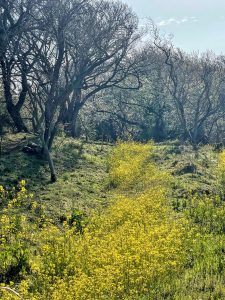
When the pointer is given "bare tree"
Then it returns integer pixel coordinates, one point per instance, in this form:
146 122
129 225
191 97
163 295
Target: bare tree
102 54
46 81
194 83
82 48
15 20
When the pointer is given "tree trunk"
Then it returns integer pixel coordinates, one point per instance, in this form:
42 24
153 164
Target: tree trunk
50 163
184 131
14 109
159 129
52 136
74 132
47 155
195 139
73 112
16 117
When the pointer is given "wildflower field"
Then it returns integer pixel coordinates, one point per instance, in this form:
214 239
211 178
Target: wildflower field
157 236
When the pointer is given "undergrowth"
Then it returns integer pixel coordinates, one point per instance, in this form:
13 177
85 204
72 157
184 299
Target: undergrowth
141 246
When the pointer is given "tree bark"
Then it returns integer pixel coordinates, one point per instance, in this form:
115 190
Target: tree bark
74 132
73 112
50 163
16 117
14 110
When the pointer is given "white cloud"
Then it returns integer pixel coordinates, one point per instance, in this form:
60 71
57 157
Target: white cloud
167 22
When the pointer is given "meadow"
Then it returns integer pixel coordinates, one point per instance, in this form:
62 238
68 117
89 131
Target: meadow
130 221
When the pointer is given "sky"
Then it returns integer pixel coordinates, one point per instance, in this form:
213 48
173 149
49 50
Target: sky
196 25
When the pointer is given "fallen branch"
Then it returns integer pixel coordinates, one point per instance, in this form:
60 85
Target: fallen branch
12 291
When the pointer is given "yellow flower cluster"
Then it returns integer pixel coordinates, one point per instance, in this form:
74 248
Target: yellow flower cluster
126 252
130 166
137 242
17 233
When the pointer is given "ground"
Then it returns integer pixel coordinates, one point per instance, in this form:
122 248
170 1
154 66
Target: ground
82 177
138 175
81 183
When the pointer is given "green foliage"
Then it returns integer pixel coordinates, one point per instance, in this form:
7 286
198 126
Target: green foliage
79 220
16 231
160 236
123 252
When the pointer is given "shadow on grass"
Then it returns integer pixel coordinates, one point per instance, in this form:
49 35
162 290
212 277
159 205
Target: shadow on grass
16 166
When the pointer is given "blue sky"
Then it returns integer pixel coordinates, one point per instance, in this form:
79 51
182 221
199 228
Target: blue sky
197 25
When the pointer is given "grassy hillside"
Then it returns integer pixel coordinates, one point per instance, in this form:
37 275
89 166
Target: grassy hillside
81 172
132 221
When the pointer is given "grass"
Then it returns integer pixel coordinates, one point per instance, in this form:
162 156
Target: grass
194 192
122 252
81 176
192 173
